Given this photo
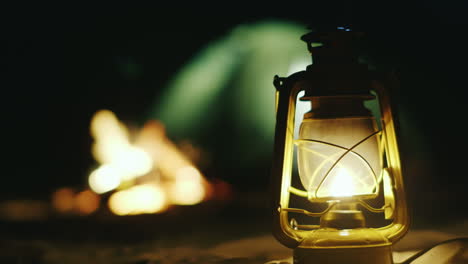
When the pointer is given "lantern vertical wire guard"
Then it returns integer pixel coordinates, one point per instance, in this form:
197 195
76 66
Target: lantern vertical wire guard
348 159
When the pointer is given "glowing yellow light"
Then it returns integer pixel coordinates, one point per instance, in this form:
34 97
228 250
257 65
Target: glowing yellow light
188 189
105 178
119 203
141 199
344 232
86 202
133 162
150 198
121 162
111 136
343 184
112 147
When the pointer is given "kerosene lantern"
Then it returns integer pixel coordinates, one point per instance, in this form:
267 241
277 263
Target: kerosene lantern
337 181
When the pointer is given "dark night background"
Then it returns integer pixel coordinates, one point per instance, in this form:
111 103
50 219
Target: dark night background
60 66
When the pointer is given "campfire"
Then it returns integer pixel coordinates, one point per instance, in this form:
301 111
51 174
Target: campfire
144 172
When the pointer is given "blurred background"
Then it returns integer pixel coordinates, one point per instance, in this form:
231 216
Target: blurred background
193 84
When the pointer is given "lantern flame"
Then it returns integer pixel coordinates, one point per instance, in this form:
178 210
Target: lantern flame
343 184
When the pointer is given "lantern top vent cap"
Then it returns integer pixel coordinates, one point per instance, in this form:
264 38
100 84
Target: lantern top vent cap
336 69
340 39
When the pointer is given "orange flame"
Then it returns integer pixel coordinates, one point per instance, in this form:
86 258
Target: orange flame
122 163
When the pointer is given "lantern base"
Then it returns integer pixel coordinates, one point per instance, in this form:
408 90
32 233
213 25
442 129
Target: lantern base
352 255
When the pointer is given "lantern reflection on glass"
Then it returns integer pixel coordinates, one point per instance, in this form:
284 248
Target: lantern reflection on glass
347 158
